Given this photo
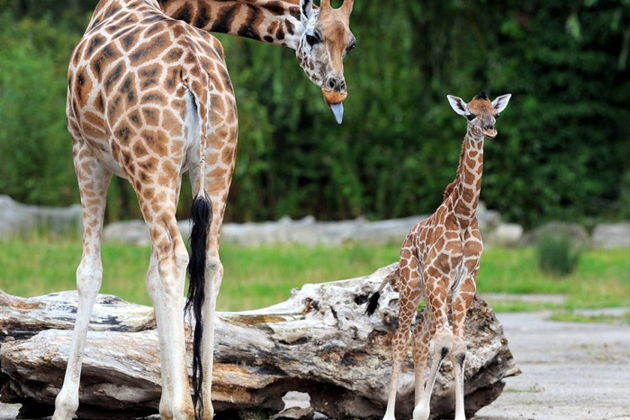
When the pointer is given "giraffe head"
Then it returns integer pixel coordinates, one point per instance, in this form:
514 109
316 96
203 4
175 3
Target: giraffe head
322 47
480 112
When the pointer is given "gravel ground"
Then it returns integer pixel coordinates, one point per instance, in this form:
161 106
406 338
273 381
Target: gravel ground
571 371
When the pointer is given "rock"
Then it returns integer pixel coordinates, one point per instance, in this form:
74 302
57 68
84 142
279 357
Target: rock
489 220
20 219
612 235
309 232
22 318
306 232
576 233
133 232
506 234
318 342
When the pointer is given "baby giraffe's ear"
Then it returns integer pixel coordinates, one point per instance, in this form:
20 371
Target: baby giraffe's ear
457 104
501 102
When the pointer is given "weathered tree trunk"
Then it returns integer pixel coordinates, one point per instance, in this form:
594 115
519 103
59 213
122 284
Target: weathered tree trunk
319 341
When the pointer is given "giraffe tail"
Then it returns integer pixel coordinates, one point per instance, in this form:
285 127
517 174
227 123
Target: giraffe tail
201 216
373 299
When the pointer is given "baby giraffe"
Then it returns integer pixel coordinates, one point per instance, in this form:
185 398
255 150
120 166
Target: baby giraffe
439 261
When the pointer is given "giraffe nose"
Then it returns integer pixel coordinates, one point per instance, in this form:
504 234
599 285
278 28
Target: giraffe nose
489 127
336 83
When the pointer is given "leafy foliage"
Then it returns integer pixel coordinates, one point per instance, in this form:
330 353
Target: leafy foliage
557 255
36 151
561 152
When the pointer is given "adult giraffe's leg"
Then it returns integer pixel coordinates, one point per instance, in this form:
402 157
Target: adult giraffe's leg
214 277
408 305
212 180
442 341
462 299
165 282
93 181
216 188
154 287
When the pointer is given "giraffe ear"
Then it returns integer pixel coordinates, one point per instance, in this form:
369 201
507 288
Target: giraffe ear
306 10
501 102
457 104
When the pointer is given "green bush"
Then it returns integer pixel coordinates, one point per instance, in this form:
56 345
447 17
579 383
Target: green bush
557 255
560 155
34 145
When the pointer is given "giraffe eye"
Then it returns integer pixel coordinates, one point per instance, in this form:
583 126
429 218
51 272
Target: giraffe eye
312 39
351 47
470 117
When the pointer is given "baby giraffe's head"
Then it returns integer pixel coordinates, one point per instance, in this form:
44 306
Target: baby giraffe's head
480 113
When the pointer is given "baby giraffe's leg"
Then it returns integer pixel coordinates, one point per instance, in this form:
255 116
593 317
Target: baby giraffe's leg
421 339
442 341
461 302
408 305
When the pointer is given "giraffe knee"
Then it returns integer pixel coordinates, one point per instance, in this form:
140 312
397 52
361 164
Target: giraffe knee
172 271
89 276
458 352
181 258
460 358
443 344
213 264
214 269
444 352
214 274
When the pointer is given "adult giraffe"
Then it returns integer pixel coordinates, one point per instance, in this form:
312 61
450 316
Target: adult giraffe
150 97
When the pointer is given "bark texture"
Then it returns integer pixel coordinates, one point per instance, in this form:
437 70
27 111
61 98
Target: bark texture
319 341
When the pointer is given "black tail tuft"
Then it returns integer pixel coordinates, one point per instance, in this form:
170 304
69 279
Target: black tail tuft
372 303
201 215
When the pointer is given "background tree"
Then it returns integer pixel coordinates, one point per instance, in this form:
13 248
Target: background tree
562 153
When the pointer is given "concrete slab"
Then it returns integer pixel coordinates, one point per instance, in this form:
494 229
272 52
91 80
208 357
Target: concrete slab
571 371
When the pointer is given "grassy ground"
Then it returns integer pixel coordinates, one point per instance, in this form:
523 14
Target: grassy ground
623 319
256 277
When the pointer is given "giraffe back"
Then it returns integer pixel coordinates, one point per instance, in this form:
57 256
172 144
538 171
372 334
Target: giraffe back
136 81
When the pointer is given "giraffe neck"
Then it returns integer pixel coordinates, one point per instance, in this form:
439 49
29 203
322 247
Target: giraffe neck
271 21
467 185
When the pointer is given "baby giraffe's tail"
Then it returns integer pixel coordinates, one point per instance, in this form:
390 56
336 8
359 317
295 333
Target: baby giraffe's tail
373 299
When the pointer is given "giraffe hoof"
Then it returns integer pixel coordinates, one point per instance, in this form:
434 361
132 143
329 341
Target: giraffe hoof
65 406
421 413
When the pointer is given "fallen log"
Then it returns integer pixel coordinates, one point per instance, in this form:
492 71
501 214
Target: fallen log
318 342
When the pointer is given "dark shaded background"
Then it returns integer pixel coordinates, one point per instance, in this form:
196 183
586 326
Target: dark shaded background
563 150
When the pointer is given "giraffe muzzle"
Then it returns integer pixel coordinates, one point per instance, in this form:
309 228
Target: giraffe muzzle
335 99
490 133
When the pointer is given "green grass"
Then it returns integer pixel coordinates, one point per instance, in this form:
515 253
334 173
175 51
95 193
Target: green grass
254 277
261 276
602 278
599 318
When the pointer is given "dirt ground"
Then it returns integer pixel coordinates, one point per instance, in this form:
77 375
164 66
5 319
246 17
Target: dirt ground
571 371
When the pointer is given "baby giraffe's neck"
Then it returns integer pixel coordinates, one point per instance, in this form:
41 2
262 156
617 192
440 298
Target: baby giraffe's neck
467 185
